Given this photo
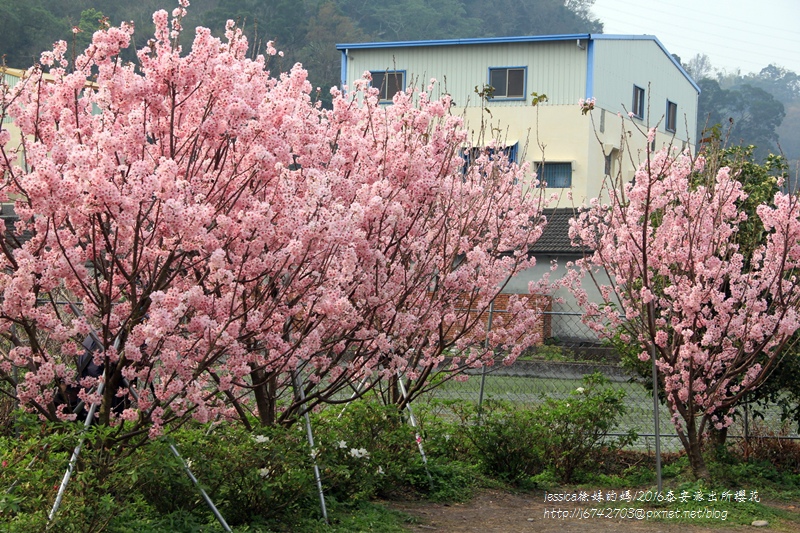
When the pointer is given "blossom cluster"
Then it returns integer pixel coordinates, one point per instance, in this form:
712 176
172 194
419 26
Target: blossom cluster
586 105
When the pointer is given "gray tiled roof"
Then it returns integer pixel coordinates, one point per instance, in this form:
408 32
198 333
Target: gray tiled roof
555 237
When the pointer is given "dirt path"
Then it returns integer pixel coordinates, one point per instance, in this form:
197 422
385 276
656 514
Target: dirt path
502 512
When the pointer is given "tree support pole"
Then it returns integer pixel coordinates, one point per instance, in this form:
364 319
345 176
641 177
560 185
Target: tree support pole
205 495
189 473
354 396
74 459
413 421
483 370
656 420
298 388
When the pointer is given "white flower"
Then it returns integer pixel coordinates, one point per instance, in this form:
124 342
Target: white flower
261 439
189 464
447 437
264 472
380 470
580 390
360 452
342 444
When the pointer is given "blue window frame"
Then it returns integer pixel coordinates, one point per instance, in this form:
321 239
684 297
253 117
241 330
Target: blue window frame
388 82
554 175
671 117
637 107
508 83
474 153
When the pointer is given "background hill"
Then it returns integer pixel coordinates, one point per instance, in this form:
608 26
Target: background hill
764 106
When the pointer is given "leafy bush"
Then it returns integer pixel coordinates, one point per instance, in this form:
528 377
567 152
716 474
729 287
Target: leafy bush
576 427
267 474
562 435
369 449
102 490
363 449
506 441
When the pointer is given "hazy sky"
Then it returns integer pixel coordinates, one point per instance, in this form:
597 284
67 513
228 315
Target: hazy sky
748 34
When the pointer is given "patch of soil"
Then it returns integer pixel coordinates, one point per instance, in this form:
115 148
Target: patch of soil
495 511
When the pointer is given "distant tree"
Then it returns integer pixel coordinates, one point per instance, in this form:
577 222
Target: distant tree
699 67
533 17
781 83
789 133
748 115
285 22
327 27
91 21
26 29
411 19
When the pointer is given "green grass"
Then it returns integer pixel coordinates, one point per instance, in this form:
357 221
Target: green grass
363 517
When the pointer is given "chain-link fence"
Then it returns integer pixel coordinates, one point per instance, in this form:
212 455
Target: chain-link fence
557 368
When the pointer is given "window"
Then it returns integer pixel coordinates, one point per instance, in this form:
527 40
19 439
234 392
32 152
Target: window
672 116
638 102
389 83
474 153
508 82
554 175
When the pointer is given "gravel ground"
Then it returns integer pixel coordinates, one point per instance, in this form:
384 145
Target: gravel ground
503 512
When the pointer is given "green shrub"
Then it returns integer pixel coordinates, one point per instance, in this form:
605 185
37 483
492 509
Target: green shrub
576 427
505 440
363 450
103 489
267 474
562 435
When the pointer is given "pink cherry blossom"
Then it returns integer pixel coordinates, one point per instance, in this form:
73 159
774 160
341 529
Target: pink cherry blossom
683 287
217 231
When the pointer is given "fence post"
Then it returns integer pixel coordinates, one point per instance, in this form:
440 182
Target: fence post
746 423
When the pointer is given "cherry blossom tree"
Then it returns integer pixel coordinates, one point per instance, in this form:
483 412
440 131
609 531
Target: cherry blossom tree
716 317
218 235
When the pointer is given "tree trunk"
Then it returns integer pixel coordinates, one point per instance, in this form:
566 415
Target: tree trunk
264 389
693 445
718 437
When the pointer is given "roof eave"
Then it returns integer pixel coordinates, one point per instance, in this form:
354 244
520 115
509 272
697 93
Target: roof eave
520 39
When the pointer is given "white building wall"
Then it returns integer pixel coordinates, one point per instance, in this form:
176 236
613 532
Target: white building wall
557 69
566 315
619 64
